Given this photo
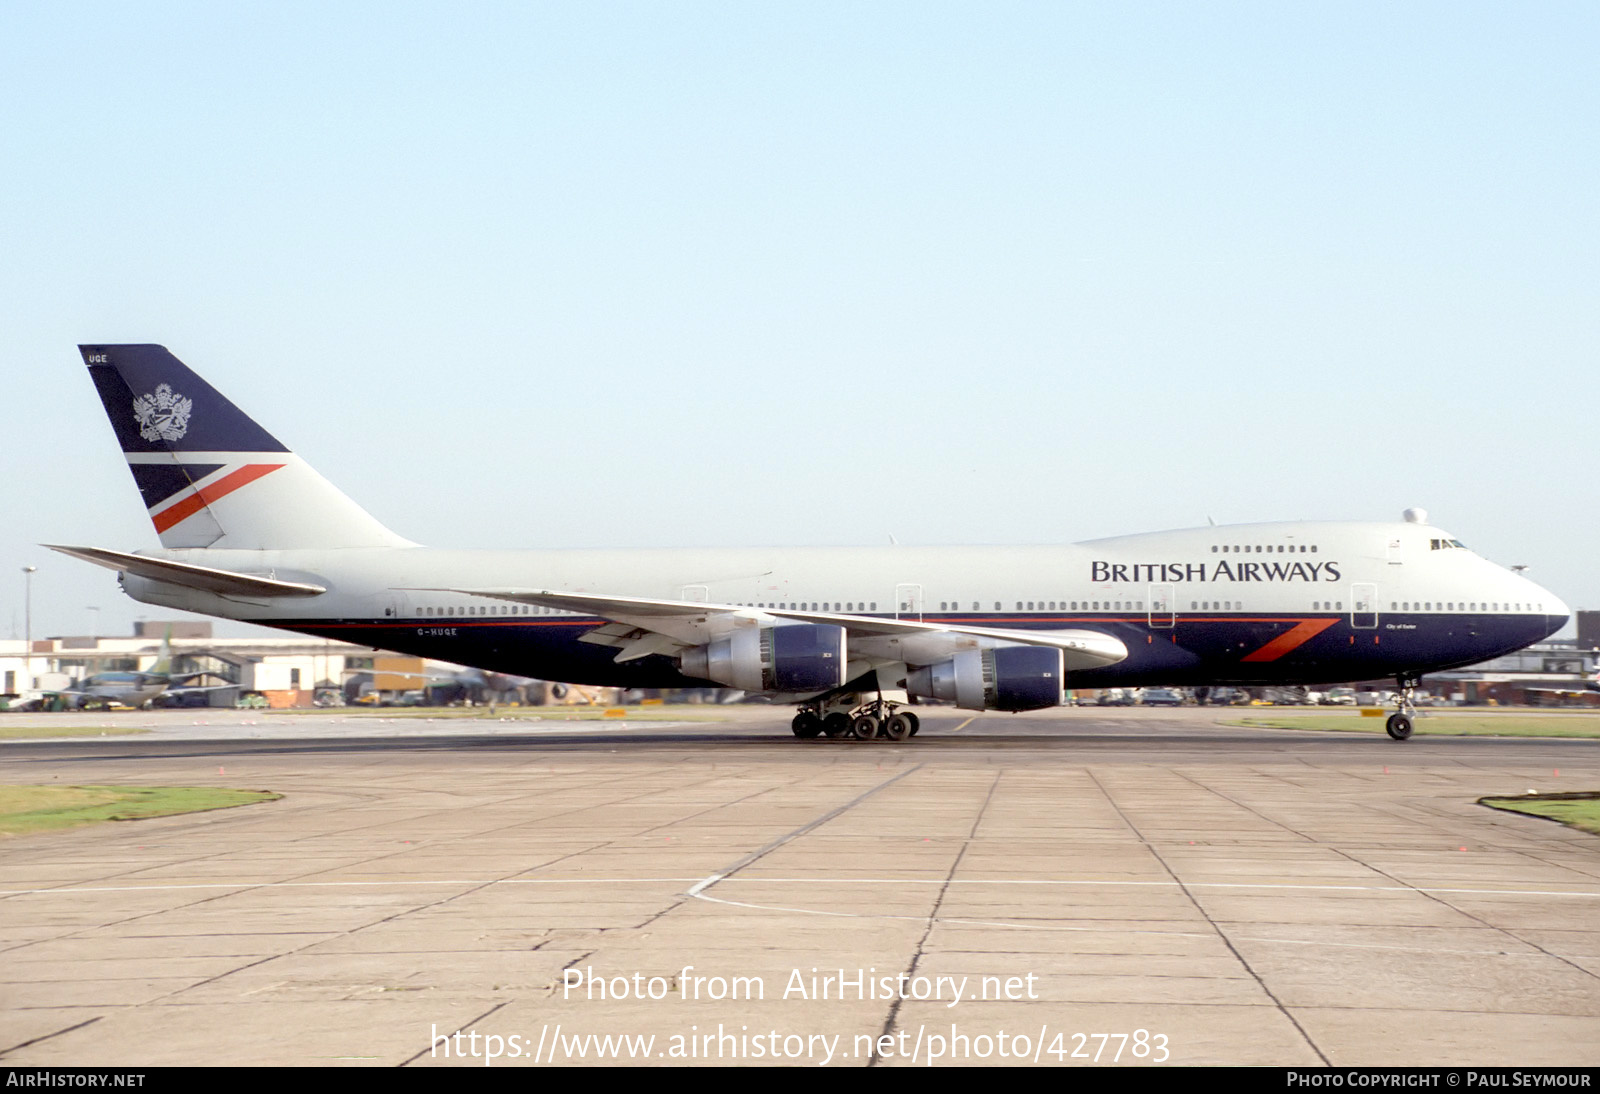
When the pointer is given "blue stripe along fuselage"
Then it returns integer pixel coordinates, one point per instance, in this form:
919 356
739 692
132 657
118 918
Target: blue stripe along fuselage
1197 650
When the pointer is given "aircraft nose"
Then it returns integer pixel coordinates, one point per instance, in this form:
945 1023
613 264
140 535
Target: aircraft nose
1556 612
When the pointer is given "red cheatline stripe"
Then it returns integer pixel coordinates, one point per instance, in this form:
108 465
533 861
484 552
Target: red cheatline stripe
1291 639
198 500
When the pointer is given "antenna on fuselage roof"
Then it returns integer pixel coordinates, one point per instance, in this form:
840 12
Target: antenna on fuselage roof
1211 520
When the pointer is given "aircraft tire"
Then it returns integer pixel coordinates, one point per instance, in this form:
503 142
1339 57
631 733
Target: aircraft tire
836 725
899 727
865 727
806 725
1398 727
916 723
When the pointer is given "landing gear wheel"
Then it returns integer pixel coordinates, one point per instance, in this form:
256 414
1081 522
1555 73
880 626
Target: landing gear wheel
1399 724
865 727
899 727
916 723
806 724
836 725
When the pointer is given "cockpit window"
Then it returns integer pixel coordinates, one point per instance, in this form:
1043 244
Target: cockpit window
1446 544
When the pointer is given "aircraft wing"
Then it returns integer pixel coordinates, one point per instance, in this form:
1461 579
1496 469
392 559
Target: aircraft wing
195 689
185 681
641 626
177 680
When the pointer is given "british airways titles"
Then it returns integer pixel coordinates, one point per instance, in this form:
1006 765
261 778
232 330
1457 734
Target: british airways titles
1179 572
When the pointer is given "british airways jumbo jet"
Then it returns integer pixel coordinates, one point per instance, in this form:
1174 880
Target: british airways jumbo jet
249 531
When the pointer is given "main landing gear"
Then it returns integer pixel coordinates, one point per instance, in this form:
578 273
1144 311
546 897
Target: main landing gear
1399 723
878 719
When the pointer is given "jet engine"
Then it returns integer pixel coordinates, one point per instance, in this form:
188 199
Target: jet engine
1002 678
798 657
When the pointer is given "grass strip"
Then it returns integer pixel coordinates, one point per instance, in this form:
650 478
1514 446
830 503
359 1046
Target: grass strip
29 809
1579 810
17 733
1442 724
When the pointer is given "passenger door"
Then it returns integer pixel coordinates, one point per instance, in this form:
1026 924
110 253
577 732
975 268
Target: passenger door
1163 605
1364 607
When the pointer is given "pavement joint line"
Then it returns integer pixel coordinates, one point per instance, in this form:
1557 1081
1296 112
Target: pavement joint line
1574 867
1247 808
702 883
47 1036
365 798
945 922
606 782
1220 932
698 891
472 1024
712 778
1439 899
268 958
893 1016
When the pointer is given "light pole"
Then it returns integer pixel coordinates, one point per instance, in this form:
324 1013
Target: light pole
94 624
27 624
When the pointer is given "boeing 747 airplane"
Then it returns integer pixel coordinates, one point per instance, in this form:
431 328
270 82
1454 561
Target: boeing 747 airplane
249 531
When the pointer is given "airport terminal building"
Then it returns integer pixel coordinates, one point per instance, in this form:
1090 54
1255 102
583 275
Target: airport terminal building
287 672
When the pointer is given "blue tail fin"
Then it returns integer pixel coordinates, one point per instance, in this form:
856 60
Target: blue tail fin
157 404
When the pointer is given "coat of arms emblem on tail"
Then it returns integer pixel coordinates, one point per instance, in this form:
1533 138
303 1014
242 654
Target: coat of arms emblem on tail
163 416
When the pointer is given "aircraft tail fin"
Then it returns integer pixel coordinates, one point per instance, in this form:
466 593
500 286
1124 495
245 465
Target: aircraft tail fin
163 665
209 475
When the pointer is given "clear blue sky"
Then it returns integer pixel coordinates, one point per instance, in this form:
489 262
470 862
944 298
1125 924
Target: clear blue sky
644 274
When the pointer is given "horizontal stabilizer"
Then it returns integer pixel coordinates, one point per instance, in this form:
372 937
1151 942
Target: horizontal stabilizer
204 578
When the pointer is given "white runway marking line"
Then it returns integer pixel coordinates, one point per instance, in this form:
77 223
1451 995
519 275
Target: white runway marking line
699 884
705 883
698 894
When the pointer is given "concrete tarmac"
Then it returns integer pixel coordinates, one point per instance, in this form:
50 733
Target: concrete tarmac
1070 887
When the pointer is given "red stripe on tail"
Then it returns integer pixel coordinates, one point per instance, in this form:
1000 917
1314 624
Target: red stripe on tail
198 500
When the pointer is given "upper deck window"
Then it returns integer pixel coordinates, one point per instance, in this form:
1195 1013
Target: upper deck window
1293 548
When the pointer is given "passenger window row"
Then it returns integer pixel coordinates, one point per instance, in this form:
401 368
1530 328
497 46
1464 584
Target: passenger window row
1271 549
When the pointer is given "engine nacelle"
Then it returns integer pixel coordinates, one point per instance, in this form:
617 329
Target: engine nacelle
798 657
1003 678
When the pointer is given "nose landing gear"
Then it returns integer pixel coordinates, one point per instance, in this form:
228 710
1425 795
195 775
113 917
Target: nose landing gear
1399 724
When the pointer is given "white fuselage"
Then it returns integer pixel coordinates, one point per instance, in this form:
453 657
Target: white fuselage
1392 581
